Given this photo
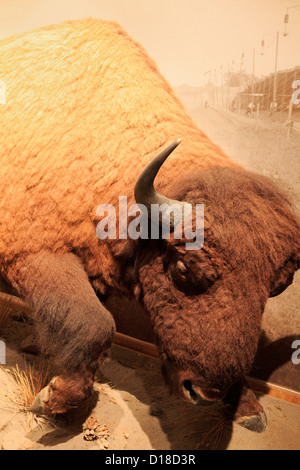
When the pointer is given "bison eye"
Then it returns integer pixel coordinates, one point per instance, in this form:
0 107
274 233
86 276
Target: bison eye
186 280
181 269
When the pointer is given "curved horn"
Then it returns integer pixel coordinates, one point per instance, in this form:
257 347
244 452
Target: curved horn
144 192
14 303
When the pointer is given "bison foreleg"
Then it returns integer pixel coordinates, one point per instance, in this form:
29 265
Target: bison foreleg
73 327
245 409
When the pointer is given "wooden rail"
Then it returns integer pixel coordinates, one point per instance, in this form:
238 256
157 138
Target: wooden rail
257 385
151 350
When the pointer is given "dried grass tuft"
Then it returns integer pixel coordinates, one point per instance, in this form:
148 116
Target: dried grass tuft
29 382
216 420
209 425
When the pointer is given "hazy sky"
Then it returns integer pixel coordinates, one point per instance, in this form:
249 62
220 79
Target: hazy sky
185 37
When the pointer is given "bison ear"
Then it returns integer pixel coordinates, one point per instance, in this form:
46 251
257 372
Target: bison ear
284 277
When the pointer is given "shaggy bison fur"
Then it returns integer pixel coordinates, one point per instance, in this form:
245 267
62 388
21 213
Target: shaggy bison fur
86 110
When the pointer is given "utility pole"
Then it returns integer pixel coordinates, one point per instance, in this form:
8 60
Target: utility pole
222 85
240 75
289 121
216 88
253 73
285 33
275 71
228 85
286 18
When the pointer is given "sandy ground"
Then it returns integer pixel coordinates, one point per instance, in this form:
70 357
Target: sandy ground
131 400
130 397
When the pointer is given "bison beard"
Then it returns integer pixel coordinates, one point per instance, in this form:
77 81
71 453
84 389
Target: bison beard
96 111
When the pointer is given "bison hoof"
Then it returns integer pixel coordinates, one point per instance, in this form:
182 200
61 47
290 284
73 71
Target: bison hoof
64 393
256 423
38 406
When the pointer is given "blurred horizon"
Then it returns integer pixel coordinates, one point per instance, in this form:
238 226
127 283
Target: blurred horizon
187 39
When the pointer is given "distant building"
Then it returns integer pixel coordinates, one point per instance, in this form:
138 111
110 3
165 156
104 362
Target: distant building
263 90
191 96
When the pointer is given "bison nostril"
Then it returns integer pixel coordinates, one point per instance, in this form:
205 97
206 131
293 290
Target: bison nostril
196 395
188 386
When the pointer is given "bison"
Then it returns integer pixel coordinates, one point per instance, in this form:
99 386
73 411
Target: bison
89 118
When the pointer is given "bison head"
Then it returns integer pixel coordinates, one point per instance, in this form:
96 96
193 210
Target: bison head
206 305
